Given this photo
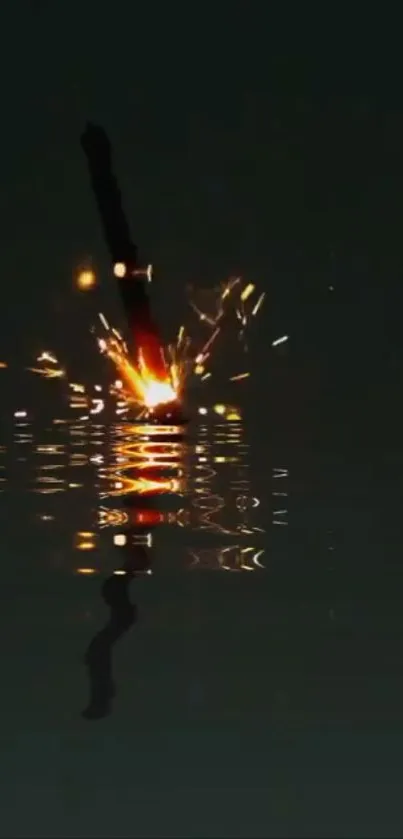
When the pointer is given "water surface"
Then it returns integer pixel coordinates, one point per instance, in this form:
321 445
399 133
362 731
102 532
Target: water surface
202 633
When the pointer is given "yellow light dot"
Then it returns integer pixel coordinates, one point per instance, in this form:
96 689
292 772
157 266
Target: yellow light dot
86 280
119 270
248 290
220 409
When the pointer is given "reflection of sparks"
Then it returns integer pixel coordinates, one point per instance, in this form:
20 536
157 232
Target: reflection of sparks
98 406
140 465
230 558
209 479
143 486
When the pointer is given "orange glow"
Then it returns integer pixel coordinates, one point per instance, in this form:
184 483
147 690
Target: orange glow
86 280
144 385
87 571
144 486
147 518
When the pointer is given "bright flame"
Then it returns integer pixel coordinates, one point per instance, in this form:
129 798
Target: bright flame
144 386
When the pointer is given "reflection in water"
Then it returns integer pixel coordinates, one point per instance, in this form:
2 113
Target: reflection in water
130 487
123 614
196 484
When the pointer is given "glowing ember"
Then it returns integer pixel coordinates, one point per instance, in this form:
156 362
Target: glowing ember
86 280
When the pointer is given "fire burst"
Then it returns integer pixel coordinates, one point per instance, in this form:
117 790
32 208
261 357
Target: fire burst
149 393
152 377
142 385
183 357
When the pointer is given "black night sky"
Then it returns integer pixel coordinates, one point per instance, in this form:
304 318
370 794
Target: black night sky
263 141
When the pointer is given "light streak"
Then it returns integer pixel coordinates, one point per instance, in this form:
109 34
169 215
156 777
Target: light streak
239 377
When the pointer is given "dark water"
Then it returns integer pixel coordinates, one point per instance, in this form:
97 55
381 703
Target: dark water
217 652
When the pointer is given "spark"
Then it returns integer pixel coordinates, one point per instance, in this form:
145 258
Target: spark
258 304
47 356
210 341
104 322
281 340
248 290
48 372
239 377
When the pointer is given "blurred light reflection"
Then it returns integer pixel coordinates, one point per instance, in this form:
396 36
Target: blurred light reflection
131 481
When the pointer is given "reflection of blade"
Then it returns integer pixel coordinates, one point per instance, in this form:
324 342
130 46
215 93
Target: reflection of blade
123 614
